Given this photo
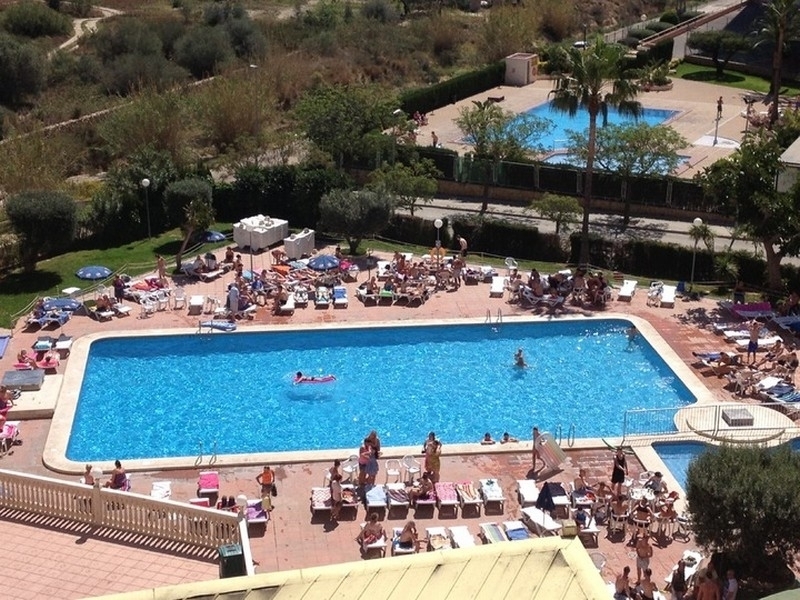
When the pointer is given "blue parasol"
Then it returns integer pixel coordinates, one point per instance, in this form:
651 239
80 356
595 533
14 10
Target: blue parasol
212 236
68 304
93 272
324 262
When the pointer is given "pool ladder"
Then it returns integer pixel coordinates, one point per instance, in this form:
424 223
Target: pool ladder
212 459
571 432
497 320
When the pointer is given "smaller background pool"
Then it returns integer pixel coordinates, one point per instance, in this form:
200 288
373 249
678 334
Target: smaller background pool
565 158
678 455
563 122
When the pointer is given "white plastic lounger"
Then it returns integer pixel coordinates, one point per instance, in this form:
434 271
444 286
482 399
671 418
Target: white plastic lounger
397 549
590 532
550 452
492 493
340 296
161 490
527 492
627 290
498 286
383 269
461 537
196 304
376 497
540 522
446 497
735 334
397 496
287 308
668 296
468 496
516 531
438 538
320 499
493 533
763 343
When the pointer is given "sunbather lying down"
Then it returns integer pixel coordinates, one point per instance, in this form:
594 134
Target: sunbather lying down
467 490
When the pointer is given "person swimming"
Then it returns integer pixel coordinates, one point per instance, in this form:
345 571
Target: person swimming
631 332
519 359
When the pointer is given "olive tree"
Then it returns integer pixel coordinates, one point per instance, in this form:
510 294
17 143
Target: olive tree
189 206
355 214
45 222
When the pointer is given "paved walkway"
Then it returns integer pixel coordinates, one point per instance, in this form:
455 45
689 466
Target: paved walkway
50 562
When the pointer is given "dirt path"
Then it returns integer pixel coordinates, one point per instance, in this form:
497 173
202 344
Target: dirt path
82 27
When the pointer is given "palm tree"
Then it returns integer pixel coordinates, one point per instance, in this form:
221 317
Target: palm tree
594 81
780 20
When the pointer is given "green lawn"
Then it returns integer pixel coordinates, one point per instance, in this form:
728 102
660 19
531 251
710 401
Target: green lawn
731 79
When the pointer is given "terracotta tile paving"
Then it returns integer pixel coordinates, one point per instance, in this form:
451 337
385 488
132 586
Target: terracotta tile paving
52 563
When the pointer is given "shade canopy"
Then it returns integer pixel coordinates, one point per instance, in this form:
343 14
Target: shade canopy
324 262
93 272
69 304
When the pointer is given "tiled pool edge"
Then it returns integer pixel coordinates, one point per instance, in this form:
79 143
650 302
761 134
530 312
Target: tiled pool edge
54 456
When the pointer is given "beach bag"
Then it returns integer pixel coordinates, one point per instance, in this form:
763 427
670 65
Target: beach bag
274 489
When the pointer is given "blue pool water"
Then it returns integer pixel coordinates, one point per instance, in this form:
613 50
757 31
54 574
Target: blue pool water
148 397
563 122
678 455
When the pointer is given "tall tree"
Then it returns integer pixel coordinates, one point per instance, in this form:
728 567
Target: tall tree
595 79
780 20
743 186
720 45
45 221
410 184
631 150
355 213
562 210
499 135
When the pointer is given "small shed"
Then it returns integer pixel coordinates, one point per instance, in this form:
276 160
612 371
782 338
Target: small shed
521 68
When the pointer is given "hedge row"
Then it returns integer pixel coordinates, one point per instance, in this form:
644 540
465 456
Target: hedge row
506 238
417 231
452 90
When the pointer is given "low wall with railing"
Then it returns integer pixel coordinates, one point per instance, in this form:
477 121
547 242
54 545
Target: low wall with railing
124 511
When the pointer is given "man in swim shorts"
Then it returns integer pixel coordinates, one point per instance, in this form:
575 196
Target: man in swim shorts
752 345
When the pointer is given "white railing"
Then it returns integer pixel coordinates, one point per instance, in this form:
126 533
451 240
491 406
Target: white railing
124 511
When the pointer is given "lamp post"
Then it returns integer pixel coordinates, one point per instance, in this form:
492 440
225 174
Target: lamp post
252 273
145 185
438 224
369 264
698 222
585 27
716 126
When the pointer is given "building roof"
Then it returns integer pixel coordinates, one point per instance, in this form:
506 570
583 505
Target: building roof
537 569
791 156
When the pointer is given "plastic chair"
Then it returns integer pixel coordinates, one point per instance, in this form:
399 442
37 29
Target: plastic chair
393 469
411 465
350 467
179 298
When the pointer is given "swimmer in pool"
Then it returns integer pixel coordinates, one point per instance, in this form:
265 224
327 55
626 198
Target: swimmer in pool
519 359
631 332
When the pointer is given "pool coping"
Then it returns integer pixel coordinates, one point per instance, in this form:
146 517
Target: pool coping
55 452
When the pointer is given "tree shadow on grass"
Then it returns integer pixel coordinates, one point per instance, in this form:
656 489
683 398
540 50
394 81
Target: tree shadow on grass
29 283
711 77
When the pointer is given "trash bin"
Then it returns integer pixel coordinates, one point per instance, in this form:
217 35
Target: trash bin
231 561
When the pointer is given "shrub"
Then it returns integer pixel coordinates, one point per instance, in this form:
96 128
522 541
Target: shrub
630 42
22 70
659 26
416 230
688 16
169 31
203 50
452 90
670 17
125 36
32 19
379 10
639 33
505 238
323 15
246 38
131 72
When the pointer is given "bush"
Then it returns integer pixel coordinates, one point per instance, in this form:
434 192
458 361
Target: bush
639 34
125 36
131 72
670 17
688 16
452 90
169 31
32 19
505 238
379 10
416 230
659 26
22 70
630 42
246 38
203 50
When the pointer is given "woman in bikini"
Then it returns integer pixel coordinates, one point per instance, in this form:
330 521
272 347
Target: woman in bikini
119 479
372 532
408 538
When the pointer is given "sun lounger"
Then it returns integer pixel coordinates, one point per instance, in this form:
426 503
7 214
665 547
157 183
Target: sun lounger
255 512
196 304
492 493
340 296
397 549
207 482
627 290
365 296
8 436
320 499
376 497
461 537
161 490
516 531
493 533
287 308
438 538
446 497
763 343
385 294
384 270
540 522
322 297
590 532
468 496
379 545
498 286
527 492
207 276
397 495
667 299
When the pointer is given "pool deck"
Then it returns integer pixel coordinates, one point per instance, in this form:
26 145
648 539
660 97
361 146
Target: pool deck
695 101
49 561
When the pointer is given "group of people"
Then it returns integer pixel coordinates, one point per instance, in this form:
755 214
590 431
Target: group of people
706 584
117 481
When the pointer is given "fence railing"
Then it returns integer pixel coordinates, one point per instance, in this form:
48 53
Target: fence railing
759 423
124 511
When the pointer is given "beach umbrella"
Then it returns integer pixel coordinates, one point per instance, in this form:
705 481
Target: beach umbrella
324 262
68 304
93 272
212 236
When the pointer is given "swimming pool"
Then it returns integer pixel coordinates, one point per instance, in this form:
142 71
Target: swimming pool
677 456
563 122
175 395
